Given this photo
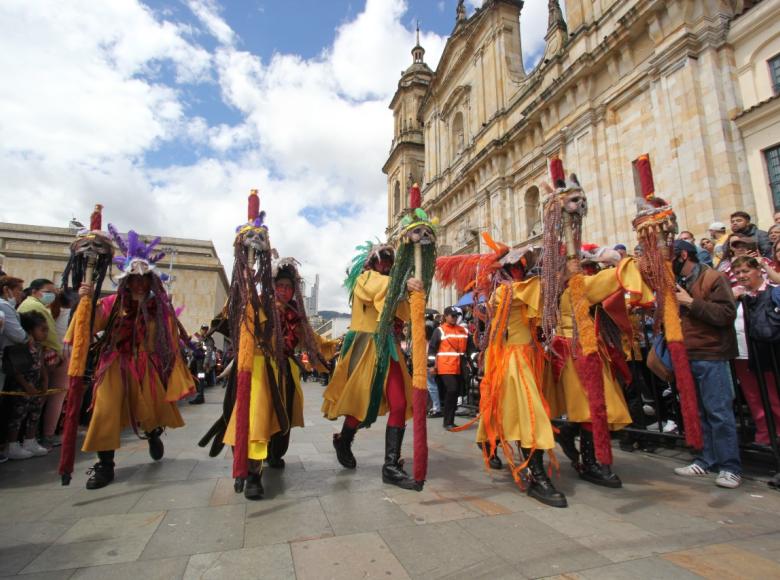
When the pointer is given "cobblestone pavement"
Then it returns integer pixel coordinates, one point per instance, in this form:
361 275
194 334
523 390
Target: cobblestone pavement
180 518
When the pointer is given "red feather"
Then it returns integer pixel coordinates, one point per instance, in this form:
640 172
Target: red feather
589 369
689 402
557 174
70 427
253 205
645 176
419 404
415 198
241 448
96 219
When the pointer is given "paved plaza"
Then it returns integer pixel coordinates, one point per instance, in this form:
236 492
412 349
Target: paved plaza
181 519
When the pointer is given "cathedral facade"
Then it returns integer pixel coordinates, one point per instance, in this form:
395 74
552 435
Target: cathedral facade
618 78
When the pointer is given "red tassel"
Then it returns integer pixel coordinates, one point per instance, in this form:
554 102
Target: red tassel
415 198
590 372
70 427
96 219
253 205
419 404
557 173
241 448
645 176
689 403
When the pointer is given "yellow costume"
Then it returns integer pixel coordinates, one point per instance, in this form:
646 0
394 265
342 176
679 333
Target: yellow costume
567 395
348 392
119 397
523 416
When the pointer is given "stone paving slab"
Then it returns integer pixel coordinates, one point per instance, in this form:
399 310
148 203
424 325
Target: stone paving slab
180 517
348 557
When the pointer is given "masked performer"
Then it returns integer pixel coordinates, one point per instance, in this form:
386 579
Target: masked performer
257 401
370 379
140 373
296 333
512 409
580 381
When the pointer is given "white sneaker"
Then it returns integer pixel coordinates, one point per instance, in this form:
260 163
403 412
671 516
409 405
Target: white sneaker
16 451
692 470
728 479
34 447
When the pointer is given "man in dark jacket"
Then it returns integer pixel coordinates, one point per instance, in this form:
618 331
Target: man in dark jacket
740 224
708 312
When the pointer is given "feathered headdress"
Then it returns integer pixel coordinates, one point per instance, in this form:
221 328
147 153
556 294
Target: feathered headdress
255 217
137 257
366 253
472 271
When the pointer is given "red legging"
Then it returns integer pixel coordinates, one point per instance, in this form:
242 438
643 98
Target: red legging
396 399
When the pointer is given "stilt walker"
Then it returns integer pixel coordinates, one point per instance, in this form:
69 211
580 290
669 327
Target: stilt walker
90 260
656 228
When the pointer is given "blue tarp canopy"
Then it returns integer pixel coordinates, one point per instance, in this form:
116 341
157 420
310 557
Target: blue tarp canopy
467 299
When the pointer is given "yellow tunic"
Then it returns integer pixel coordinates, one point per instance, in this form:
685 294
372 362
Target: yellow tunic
348 392
152 406
523 414
568 396
263 422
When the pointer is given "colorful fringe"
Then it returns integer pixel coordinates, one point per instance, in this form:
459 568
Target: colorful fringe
588 364
246 353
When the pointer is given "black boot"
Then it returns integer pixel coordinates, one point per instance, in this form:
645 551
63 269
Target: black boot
342 442
156 447
591 470
539 485
565 438
103 472
253 488
494 461
392 472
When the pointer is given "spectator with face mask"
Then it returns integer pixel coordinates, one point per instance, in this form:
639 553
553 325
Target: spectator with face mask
11 332
42 295
708 312
704 256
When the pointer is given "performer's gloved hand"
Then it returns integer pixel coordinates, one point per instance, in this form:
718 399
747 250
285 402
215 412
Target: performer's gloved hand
414 285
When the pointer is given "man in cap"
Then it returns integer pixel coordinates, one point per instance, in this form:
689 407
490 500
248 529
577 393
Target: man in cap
446 349
719 237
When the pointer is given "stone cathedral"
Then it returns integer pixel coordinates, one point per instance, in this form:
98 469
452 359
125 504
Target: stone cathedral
618 78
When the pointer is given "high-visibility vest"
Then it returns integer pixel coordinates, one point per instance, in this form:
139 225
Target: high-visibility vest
454 340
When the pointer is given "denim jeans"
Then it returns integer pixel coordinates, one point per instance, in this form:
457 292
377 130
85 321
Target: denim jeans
433 393
716 410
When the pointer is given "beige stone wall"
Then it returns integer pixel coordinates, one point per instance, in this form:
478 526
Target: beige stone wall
755 37
637 76
200 285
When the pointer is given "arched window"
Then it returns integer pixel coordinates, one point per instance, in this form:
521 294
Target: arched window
396 198
458 137
533 214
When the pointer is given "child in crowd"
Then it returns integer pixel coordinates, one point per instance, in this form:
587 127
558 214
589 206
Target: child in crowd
26 372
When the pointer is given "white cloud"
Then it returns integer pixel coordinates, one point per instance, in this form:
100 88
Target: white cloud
92 98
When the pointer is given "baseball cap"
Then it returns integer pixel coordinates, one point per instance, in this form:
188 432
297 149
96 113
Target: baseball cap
680 245
453 310
620 247
717 226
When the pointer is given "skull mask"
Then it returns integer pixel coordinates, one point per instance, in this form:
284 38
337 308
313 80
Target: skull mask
256 238
420 234
575 202
92 245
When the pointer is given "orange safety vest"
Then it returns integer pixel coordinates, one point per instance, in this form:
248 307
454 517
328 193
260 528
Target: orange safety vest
454 340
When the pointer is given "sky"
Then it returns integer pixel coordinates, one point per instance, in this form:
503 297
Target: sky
169 111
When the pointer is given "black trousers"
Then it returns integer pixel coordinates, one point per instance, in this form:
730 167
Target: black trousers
450 387
280 442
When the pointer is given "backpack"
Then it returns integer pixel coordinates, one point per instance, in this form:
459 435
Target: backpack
762 317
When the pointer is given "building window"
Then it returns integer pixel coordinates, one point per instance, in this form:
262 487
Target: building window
396 198
458 137
774 71
772 156
533 214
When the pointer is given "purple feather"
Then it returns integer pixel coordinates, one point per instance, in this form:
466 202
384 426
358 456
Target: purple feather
117 238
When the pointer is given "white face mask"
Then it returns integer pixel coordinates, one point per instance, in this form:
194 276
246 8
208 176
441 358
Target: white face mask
11 299
47 298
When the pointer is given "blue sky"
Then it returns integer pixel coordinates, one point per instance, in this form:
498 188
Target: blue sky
169 111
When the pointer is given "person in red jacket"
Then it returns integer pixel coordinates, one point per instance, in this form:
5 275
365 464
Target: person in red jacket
446 349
